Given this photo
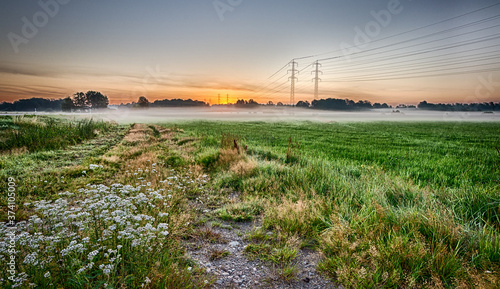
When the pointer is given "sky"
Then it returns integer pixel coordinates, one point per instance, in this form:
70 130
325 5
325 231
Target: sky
393 51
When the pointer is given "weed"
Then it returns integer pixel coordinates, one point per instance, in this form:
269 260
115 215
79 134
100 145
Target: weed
240 212
207 234
288 273
216 254
292 151
283 255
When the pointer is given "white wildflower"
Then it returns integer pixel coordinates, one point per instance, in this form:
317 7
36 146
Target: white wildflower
92 254
93 166
31 259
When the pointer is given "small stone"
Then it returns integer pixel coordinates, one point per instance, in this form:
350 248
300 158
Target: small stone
234 244
219 282
306 280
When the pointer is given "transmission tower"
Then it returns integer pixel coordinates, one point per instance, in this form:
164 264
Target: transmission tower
316 78
227 98
219 99
293 79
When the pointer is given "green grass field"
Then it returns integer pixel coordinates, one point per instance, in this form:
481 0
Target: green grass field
388 205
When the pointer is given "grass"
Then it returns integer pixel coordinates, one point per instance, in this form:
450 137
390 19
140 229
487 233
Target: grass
412 205
239 212
36 133
388 204
438 153
280 252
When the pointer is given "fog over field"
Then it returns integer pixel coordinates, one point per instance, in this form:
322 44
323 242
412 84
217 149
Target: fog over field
153 115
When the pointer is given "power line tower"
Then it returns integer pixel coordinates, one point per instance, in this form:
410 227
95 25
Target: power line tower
293 79
316 78
219 99
227 98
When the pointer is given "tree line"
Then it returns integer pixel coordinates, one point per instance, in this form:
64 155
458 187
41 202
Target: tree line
32 104
143 102
485 106
96 100
345 104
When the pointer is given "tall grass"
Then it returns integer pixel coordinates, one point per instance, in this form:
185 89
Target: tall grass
36 133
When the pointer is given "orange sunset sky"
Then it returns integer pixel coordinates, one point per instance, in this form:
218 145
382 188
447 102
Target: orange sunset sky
382 51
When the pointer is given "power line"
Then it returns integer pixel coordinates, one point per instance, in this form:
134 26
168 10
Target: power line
421 76
369 60
421 37
436 49
293 79
405 32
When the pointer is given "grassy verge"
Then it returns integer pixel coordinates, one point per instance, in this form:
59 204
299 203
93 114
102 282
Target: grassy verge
113 218
36 133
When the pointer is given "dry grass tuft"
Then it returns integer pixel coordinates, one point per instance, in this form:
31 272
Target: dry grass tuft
227 157
244 167
111 159
294 217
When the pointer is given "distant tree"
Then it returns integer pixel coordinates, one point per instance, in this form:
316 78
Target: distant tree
67 104
97 100
279 103
252 102
270 103
32 104
90 99
363 104
301 103
143 102
177 102
80 100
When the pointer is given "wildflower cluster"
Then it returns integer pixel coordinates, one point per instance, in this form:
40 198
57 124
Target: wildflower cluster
76 239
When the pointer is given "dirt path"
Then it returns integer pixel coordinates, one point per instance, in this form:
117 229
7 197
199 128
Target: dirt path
219 247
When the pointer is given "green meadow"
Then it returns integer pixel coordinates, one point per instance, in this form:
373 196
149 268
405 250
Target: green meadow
386 204
389 204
